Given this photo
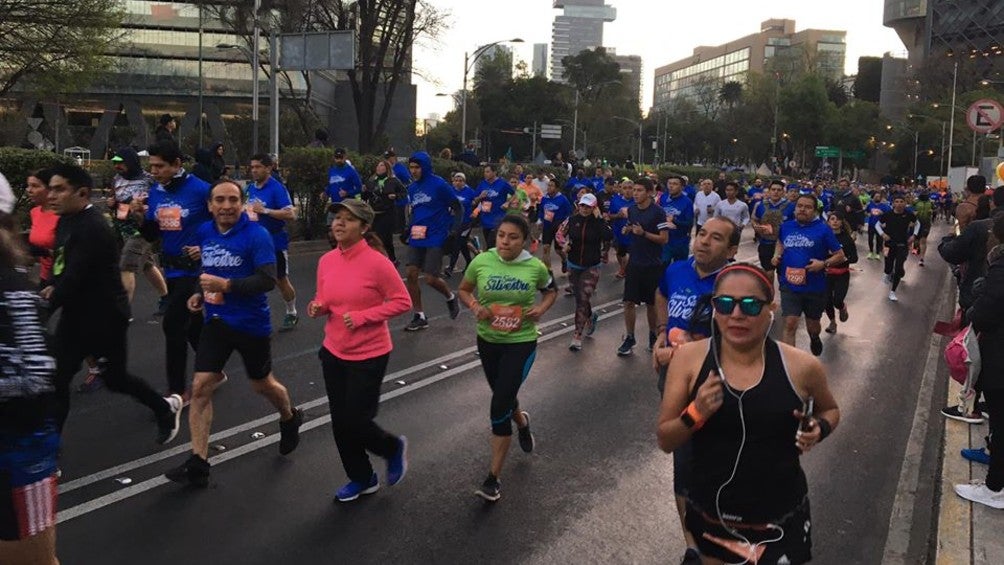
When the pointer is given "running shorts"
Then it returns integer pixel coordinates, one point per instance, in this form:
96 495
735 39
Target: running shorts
218 341
795 304
28 486
793 535
429 260
281 264
136 255
640 283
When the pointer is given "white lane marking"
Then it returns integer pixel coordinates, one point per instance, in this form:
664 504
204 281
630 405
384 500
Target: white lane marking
124 468
152 483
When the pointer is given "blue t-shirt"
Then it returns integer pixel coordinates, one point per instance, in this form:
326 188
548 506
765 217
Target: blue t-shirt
682 286
681 209
875 211
556 207
466 197
783 207
343 178
642 251
618 203
802 243
575 184
599 183
493 206
273 196
179 213
691 191
237 254
431 215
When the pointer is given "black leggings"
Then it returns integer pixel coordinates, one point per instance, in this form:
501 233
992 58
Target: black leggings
995 407
353 399
836 292
181 329
874 240
461 249
383 226
894 262
506 366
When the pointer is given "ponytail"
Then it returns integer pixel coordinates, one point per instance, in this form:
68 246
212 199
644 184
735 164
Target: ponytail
373 240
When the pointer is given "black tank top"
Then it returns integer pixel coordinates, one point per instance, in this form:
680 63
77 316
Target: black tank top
769 481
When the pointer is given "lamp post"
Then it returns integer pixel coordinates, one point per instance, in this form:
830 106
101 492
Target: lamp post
639 124
468 61
941 165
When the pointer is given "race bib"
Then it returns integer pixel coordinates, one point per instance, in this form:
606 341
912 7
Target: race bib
795 276
169 218
876 212
249 209
506 318
486 206
418 232
548 215
214 298
122 211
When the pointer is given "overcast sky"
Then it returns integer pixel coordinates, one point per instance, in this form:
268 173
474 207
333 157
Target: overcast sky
661 31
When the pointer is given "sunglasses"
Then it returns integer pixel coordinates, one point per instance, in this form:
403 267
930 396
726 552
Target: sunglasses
748 305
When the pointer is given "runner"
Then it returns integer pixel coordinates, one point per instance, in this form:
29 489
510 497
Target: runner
554 209
577 183
646 223
898 229
435 215
382 191
684 292
175 208
29 439
768 216
705 203
923 208
805 248
589 239
462 243
493 193
95 309
505 280
679 210
42 236
268 203
620 202
343 182
838 275
742 392
848 205
732 208
358 291
874 210
238 270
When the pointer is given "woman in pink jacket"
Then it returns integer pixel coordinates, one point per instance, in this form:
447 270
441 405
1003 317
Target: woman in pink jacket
358 290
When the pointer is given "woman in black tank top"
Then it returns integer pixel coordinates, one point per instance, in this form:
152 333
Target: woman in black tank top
739 398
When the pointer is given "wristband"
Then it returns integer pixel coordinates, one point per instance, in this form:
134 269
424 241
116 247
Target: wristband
692 418
824 428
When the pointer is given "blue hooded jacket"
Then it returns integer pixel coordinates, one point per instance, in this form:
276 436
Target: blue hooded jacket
435 210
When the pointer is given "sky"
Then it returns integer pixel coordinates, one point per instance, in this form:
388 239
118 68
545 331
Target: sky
660 31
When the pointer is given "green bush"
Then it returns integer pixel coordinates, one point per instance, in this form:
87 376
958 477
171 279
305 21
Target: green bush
16 164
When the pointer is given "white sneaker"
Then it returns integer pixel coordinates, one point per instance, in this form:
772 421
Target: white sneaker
977 491
892 296
175 402
576 344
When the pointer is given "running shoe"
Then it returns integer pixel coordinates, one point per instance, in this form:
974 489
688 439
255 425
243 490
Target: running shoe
591 327
569 291
887 279
921 263
453 305
832 328
491 489
892 296
977 491
955 413
169 420
844 314
92 382
397 464
353 489
651 340
161 306
525 436
576 344
417 323
691 557
627 346
194 471
815 345
289 322
289 432
976 455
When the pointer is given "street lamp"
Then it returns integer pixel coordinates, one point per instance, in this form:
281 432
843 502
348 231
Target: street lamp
468 61
941 166
639 124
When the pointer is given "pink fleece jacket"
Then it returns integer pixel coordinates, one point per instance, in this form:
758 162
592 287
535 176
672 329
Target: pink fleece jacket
363 283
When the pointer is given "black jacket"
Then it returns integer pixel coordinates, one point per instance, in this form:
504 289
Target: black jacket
969 251
377 194
587 236
850 250
987 316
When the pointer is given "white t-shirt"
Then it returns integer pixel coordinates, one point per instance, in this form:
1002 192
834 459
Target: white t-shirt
704 205
738 212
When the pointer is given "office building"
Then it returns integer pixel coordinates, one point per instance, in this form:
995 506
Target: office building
578 28
539 68
777 45
631 73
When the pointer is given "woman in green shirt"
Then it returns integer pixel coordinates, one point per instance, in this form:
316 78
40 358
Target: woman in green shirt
499 287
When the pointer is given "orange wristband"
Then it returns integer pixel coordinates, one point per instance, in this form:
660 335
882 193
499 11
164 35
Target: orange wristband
695 416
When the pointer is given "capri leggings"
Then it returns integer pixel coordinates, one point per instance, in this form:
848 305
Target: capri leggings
874 240
506 366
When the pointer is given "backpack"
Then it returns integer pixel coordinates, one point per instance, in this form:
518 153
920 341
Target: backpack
962 355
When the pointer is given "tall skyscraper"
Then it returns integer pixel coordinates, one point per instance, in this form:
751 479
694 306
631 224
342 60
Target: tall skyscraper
539 68
579 27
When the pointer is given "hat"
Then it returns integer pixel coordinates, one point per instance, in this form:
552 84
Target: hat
7 198
588 200
389 153
357 208
117 159
460 175
340 152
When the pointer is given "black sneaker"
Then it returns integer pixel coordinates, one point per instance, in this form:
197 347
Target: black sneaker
691 557
815 345
169 420
453 305
161 307
525 436
844 314
627 347
417 323
955 413
651 340
194 471
491 489
289 432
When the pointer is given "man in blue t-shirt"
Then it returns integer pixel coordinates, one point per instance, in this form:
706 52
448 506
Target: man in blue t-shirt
175 208
679 211
577 183
493 195
436 215
646 223
621 198
269 205
554 209
806 246
768 215
238 271
343 182
465 195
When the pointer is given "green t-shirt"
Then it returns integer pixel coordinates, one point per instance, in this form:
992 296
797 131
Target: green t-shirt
507 288
923 209
524 202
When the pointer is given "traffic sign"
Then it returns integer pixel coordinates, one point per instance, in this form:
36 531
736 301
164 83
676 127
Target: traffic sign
985 116
825 151
550 131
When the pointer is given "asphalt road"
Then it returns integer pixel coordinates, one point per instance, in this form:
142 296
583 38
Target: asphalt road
596 489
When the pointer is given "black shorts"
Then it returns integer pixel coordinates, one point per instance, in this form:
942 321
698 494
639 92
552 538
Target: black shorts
640 284
925 230
794 531
218 341
429 260
547 233
622 248
794 304
683 460
766 253
281 264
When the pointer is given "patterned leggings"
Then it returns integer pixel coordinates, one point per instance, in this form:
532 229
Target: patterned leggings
584 284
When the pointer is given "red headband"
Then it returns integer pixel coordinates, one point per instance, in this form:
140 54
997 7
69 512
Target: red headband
749 269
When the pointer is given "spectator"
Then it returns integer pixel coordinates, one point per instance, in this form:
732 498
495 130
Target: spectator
203 168
165 129
469 157
218 166
320 139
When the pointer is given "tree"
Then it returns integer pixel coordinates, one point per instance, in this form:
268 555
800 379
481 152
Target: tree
730 93
868 82
836 92
59 45
590 68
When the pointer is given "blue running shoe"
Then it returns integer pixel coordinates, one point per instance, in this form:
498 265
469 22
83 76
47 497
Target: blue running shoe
592 324
352 489
397 466
976 455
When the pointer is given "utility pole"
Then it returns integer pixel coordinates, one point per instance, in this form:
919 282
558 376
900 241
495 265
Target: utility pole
951 125
255 47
